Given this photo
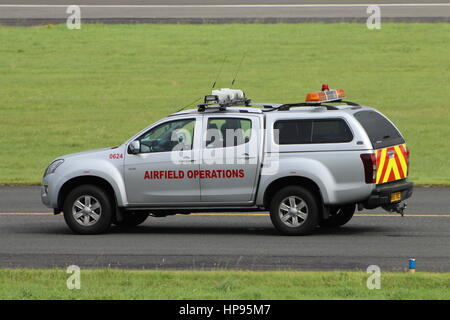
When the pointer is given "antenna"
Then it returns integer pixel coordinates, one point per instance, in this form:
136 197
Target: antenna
214 84
219 73
239 68
196 100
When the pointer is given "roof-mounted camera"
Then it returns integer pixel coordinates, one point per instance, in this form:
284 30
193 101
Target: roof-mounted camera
223 98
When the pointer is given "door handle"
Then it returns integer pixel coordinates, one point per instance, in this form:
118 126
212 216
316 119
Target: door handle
187 160
244 156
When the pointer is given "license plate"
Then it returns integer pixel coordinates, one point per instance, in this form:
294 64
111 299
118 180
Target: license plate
396 196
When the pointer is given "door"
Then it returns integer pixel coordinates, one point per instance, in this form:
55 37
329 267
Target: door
162 172
230 159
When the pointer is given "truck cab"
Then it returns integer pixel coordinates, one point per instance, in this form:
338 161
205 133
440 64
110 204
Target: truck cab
309 164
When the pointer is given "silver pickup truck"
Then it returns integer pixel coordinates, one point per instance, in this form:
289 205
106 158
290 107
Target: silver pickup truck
311 164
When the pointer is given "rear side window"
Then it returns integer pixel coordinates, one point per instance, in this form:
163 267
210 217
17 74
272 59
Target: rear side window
227 132
381 132
312 131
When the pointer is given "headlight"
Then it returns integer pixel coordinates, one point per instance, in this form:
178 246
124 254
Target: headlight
53 166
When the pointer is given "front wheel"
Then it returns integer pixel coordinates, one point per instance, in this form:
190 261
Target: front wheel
339 216
88 210
294 211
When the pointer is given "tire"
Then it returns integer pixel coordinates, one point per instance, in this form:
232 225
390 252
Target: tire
131 219
296 219
88 210
339 216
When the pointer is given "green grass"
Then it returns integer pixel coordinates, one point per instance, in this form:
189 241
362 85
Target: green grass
125 284
64 91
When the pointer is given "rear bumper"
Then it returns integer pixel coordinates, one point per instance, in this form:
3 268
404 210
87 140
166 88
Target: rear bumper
382 193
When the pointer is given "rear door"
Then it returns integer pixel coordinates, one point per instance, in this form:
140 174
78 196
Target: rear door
230 158
389 146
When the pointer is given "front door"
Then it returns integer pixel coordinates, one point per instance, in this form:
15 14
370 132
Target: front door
161 174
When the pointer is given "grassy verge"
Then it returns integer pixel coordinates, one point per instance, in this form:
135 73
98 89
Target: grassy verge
63 91
122 284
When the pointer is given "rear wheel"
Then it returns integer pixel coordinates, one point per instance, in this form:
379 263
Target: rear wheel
339 216
294 211
132 219
88 210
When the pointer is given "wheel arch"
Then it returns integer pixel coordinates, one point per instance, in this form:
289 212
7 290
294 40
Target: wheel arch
85 180
280 183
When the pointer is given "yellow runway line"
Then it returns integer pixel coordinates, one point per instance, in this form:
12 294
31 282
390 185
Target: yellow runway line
398 215
260 214
229 214
25 213
356 215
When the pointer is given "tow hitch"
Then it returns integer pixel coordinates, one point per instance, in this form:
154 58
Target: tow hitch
397 207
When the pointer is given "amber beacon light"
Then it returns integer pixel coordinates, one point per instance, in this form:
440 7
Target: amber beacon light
326 95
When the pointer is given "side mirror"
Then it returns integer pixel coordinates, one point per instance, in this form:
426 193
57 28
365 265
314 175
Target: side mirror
135 147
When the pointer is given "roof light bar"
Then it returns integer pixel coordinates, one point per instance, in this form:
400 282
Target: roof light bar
325 95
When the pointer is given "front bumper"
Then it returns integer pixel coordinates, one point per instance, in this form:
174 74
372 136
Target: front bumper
381 195
44 196
49 190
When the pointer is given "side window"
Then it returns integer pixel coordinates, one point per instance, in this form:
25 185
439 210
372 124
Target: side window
227 132
166 136
331 131
312 131
293 131
380 131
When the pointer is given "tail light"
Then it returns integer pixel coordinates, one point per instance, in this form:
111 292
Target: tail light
370 167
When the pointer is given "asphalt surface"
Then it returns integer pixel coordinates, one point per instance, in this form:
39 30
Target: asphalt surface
228 241
31 12
211 2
